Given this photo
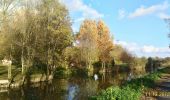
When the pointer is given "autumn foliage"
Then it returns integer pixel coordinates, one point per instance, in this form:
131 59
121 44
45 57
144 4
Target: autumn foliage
105 44
95 42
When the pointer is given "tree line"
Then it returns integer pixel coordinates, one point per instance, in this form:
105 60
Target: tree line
37 34
34 33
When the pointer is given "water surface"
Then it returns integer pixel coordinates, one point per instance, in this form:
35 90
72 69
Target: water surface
76 87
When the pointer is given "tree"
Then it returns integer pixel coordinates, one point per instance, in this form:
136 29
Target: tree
87 39
72 56
149 65
7 8
105 44
39 33
116 54
167 20
55 32
126 57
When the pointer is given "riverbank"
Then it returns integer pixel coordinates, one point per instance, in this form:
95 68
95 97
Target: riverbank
162 88
17 79
20 80
131 90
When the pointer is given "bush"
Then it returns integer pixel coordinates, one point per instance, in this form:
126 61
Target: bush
109 94
128 93
116 93
80 73
60 72
131 90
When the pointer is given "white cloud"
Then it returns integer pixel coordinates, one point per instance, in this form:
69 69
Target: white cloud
80 11
79 19
152 49
154 9
149 49
79 6
164 16
145 50
132 47
122 13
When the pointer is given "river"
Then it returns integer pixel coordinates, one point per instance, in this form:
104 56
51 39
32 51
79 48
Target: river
75 87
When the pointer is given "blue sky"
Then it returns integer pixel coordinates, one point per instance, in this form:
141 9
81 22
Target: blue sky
137 25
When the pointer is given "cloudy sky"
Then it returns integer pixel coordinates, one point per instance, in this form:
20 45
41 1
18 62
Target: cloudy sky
137 25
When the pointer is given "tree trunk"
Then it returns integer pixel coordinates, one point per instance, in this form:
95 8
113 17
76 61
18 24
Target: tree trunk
9 66
22 60
104 67
48 62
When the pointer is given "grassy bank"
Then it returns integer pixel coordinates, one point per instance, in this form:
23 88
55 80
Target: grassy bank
130 90
32 76
4 71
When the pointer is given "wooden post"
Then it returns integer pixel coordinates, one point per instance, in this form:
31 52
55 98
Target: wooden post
9 69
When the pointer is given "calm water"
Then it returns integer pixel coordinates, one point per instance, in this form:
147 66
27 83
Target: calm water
77 87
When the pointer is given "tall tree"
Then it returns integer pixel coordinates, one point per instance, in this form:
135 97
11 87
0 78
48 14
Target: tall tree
54 30
88 42
105 44
39 32
7 8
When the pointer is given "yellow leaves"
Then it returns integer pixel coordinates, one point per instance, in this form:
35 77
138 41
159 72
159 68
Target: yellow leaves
88 31
95 36
87 39
105 44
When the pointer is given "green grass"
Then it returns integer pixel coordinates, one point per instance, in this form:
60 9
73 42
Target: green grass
4 71
165 70
16 73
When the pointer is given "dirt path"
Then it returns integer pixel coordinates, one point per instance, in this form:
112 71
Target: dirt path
163 85
162 88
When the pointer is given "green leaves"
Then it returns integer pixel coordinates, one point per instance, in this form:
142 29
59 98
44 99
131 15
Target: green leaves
131 90
117 93
41 31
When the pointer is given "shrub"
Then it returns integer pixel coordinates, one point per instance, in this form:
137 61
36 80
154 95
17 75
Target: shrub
109 94
131 90
128 93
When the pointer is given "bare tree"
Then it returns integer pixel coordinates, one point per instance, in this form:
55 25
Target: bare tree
167 20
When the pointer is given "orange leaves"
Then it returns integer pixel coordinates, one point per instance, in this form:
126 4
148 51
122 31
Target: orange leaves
94 38
87 39
88 31
105 44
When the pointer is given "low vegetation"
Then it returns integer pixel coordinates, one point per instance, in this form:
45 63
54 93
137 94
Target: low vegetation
130 90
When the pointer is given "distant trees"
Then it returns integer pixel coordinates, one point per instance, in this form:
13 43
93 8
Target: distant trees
152 65
121 55
126 57
116 54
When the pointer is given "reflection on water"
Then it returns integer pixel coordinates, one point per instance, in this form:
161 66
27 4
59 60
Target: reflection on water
72 92
72 88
